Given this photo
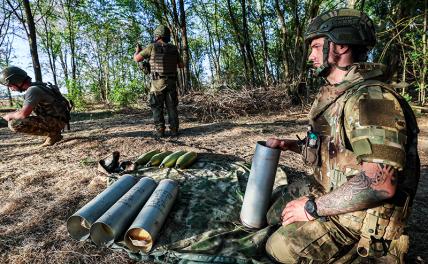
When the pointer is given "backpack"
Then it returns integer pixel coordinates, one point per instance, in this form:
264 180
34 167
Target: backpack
64 103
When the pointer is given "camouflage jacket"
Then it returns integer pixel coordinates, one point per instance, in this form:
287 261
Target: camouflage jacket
364 119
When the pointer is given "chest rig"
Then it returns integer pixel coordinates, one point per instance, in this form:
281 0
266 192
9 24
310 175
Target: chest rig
337 162
382 226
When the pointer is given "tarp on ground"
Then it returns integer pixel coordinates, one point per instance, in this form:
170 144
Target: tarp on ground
203 225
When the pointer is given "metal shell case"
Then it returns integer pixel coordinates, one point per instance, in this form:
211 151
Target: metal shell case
259 186
79 224
114 222
144 230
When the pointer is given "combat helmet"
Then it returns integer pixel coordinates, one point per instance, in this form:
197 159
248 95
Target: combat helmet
342 26
162 31
13 75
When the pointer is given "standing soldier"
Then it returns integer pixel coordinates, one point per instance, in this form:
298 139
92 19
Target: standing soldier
163 59
362 144
51 109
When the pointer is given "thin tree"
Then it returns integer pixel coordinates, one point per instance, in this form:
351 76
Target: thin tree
30 30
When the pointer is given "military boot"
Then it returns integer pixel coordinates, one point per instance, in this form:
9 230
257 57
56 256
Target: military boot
159 132
173 132
51 140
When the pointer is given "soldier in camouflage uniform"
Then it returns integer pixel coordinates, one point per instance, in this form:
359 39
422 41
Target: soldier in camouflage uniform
164 59
51 114
362 144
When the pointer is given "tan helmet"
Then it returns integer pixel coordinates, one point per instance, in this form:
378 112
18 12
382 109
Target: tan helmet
13 75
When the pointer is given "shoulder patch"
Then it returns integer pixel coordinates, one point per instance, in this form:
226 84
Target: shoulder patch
377 112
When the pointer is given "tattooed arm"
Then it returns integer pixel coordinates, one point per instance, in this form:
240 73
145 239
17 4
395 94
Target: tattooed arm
375 183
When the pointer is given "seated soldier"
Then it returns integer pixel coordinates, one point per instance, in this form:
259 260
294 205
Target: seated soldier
51 109
362 144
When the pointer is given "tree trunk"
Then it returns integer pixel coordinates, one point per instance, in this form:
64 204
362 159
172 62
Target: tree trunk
239 38
184 47
49 49
7 43
247 44
32 39
283 29
425 59
260 19
64 66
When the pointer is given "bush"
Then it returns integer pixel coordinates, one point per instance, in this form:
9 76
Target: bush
124 95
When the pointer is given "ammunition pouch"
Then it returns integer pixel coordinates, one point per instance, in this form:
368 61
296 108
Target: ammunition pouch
311 150
378 226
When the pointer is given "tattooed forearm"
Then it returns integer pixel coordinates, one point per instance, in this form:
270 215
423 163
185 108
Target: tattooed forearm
366 189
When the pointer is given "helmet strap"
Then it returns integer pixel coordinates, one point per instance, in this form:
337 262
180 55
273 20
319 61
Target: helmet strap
324 69
22 85
343 68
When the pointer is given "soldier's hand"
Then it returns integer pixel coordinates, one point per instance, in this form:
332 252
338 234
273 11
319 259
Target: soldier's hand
283 144
7 117
274 143
295 211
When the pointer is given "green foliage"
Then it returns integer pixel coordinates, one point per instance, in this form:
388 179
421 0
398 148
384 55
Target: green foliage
125 95
231 43
75 94
408 97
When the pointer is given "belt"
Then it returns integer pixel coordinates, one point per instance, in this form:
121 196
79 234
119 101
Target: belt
156 76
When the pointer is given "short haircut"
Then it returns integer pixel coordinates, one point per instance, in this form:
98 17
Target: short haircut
359 53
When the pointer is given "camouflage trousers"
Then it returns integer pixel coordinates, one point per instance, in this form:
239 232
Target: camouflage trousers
316 241
166 98
37 125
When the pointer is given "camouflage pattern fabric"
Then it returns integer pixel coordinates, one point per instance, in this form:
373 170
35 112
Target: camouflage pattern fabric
167 97
204 225
367 115
309 242
37 125
351 112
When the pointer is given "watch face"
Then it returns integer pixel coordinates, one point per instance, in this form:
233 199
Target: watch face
310 207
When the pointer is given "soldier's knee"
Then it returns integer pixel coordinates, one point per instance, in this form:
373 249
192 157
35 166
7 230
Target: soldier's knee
279 249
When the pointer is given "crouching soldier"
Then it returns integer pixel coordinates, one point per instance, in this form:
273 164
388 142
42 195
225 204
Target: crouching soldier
51 110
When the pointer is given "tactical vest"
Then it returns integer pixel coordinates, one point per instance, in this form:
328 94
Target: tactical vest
164 59
338 162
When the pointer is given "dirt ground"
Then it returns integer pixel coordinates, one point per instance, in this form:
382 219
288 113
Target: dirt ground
41 187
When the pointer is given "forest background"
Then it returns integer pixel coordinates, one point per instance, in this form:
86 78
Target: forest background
87 45
241 57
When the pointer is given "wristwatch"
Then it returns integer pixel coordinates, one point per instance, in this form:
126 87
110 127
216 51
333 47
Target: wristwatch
311 209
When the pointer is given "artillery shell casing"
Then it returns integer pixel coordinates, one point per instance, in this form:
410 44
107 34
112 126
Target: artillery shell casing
114 222
144 230
79 223
259 186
